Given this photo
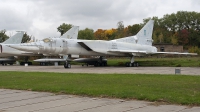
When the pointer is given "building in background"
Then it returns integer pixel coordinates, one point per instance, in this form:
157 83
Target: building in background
162 47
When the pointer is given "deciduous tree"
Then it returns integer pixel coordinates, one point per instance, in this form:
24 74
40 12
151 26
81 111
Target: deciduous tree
64 28
86 34
26 38
3 36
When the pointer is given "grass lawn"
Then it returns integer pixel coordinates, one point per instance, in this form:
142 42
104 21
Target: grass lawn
154 61
173 89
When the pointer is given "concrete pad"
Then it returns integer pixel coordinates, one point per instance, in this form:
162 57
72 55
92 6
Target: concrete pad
5 91
27 100
79 106
120 106
49 102
191 109
161 108
15 94
23 97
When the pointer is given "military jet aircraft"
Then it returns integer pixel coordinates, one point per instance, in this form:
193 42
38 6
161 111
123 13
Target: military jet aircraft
15 39
70 34
8 51
137 45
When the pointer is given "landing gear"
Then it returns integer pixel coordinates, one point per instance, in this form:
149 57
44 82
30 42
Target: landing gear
97 64
29 63
132 63
67 65
44 63
100 62
4 64
26 61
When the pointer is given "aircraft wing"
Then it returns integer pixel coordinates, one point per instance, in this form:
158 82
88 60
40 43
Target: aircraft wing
131 52
137 52
128 51
178 53
92 46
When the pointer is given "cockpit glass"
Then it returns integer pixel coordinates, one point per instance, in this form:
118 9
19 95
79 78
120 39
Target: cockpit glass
46 40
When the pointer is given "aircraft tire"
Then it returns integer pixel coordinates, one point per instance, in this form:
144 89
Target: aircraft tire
130 65
104 63
137 64
96 64
22 63
29 63
127 64
134 64
67 65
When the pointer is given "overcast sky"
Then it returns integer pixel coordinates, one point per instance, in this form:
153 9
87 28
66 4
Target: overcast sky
40 18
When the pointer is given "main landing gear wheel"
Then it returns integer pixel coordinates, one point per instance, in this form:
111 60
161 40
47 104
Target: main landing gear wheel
134 64
98 64
67 65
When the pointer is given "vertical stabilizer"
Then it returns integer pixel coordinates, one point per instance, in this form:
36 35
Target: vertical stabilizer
144 36
15 39
71 33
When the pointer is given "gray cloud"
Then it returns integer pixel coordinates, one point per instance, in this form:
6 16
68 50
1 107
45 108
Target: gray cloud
11 20
42 17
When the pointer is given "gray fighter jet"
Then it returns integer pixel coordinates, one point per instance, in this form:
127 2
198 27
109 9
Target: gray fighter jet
8 51
15 39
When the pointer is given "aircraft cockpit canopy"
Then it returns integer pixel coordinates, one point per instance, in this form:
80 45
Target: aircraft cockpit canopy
46 40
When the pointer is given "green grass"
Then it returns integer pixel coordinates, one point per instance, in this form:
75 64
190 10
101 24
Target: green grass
173 89
154 61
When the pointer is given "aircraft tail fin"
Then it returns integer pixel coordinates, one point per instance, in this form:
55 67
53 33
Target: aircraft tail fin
144 36
15 39
71 33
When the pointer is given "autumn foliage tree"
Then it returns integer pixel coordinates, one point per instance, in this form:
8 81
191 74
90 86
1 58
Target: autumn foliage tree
100 35
183 37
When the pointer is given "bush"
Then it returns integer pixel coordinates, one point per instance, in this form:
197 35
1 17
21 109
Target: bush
194 49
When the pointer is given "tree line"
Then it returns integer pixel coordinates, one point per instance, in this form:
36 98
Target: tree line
181 28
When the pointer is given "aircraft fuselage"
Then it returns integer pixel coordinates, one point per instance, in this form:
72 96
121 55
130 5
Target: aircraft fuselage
55 46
